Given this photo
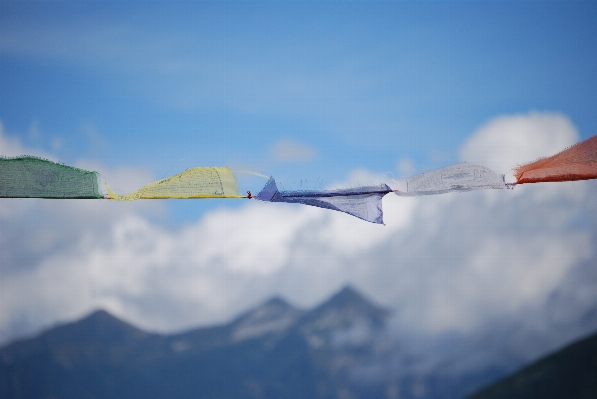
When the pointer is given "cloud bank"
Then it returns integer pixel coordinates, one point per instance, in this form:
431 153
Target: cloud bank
453 263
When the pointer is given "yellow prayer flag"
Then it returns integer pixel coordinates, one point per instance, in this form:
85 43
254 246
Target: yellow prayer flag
200 182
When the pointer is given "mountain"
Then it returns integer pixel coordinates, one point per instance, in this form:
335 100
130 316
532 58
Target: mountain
73 359
568 373
274 350
339 349
347 319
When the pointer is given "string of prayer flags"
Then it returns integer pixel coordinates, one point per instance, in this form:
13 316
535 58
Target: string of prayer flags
31 177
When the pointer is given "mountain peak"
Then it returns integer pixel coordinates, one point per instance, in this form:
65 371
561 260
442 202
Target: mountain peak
100 316
350 297
274 316
277 301
99 326
345 310
348 294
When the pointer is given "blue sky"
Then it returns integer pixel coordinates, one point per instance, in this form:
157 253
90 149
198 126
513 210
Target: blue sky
312 93
363 84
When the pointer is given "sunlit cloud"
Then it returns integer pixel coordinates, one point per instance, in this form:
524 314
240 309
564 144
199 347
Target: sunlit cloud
507 141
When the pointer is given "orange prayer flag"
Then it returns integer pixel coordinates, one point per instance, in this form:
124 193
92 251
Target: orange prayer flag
578 162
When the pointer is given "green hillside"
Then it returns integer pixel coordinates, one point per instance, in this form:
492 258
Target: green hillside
569 373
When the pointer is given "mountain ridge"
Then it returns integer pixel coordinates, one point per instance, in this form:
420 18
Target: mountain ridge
338 349
263 350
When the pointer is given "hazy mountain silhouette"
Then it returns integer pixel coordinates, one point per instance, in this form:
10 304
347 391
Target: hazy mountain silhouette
262 353
339 349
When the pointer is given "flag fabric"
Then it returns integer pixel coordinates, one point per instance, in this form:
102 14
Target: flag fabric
459 177
362 202
32 177
200 182
578 162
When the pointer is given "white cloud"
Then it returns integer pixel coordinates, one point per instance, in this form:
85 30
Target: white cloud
406 167
291 151
507 141
452 262
12 147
